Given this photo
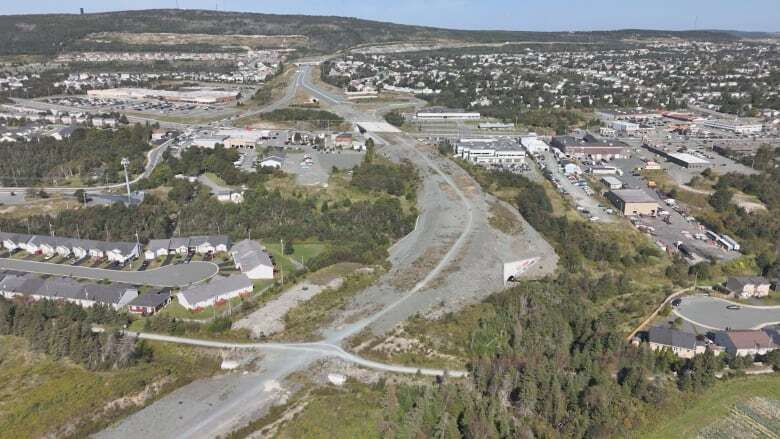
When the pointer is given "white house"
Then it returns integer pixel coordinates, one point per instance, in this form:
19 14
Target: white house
252 260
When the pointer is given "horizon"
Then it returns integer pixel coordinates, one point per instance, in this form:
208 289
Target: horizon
599 15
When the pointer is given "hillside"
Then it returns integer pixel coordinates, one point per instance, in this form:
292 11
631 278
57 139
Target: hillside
54 33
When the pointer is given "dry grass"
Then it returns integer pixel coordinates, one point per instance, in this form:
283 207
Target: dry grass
503 219
255 41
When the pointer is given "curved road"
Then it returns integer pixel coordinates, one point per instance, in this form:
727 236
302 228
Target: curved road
174 276
712 313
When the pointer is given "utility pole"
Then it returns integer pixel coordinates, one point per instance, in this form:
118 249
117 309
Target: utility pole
281 269
125 164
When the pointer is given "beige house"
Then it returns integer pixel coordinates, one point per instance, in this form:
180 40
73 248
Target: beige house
745 287
682 344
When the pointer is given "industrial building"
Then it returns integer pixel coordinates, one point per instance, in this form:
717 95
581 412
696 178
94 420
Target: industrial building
205 96
736 126
589 146
633 202
688 160
612 183
491 152
533 144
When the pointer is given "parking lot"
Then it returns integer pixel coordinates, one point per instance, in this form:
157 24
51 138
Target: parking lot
143 106
714 314
314 168
587 205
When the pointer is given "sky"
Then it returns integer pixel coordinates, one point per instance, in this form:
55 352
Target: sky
531 15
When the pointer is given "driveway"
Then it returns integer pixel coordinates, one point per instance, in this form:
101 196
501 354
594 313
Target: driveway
712 313
175 276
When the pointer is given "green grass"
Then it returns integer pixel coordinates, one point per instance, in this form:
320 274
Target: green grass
301 251
215 178
39 395
689 416
351 411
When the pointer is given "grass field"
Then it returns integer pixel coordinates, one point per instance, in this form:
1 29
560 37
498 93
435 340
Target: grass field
301 251
688 418
352 411
40 396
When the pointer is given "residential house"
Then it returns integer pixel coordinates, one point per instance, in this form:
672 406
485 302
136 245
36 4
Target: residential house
252 260
682 344
149 303
217 290
744 287
746 342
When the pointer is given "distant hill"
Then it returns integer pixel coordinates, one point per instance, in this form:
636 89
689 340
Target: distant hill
55 33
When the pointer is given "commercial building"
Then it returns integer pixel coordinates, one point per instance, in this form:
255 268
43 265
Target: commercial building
682 344
491 152
744 287
746 342
208 142
736 126
623 127
218 290
688 160
633 202
206 96
495 126
533 144
252 260
612 183
589 147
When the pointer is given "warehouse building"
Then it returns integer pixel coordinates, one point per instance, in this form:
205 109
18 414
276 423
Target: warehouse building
446 114
633 202
533 144
736 126
491 152
612 183
688 160
590 147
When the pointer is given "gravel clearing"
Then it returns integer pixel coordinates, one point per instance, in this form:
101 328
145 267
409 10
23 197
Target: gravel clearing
269 319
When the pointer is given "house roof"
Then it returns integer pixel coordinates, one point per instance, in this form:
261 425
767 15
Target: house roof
740 282
749 339
64 288
250 255
214 240
671 337
216 287
152 299
158 244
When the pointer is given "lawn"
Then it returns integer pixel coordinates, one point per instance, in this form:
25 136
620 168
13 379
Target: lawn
215 178
688 417
39 396
303 251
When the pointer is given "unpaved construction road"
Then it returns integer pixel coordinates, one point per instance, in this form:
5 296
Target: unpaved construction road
453 257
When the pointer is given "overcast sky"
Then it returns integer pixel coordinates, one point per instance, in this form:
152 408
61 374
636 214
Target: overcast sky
537 15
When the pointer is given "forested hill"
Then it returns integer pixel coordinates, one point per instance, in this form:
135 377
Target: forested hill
54 33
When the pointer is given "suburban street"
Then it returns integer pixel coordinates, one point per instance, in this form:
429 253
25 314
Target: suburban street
713 313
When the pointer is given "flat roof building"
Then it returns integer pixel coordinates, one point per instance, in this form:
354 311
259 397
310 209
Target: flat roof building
633 202
589 147
689 161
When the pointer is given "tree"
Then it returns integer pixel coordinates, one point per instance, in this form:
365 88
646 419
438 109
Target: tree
721 199
288 247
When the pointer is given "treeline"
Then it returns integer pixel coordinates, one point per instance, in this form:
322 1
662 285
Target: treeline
758 231
358 232
552 362
65 330
86 153
398 180
324 118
